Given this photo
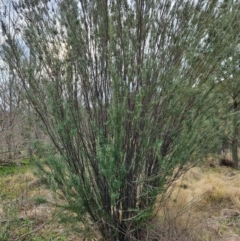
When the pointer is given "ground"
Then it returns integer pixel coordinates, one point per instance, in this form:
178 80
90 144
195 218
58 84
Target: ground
27 210
204 205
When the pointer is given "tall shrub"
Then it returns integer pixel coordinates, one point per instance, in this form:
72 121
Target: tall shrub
122 88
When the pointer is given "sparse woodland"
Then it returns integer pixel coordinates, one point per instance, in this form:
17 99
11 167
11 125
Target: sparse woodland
113 102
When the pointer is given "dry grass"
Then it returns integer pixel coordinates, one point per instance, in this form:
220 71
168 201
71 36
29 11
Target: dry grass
204 205
25 211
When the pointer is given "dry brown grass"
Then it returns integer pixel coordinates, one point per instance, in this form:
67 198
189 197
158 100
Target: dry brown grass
204 205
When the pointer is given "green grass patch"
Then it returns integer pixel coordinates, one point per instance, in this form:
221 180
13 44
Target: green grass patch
9 169
40 200
13 168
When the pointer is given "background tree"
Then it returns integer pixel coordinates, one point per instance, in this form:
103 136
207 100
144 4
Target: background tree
231 103
9 122
228 92
9 103
123 90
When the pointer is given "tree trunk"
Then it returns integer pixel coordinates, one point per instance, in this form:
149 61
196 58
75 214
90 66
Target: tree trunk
10 133
235 134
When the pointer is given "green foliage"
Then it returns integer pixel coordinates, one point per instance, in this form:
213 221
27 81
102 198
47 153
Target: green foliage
6 170
40 200
26 161
4 233
124 92
14 168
